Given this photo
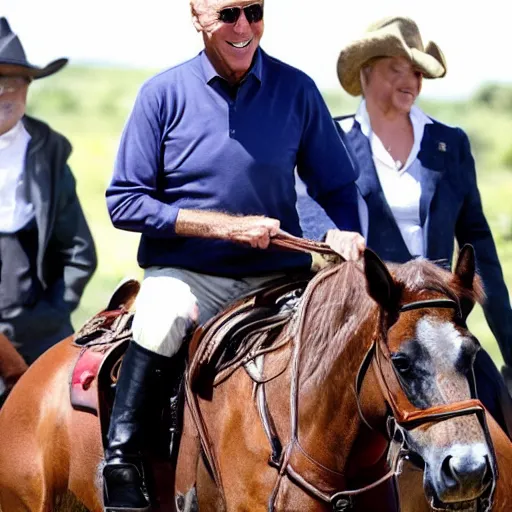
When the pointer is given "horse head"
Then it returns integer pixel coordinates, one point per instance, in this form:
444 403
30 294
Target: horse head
424 355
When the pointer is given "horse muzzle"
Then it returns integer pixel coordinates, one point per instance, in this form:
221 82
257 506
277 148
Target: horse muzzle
461 480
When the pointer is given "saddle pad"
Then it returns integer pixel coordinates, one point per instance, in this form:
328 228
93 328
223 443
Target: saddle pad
98 339
102 340
92 364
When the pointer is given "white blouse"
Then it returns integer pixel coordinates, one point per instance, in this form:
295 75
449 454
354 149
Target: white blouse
15 210
401 184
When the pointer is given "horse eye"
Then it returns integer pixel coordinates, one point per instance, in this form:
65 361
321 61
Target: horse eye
401 362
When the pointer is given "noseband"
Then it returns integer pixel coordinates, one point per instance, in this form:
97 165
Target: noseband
324 483
406 414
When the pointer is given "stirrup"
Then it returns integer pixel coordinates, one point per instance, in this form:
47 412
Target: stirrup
136 484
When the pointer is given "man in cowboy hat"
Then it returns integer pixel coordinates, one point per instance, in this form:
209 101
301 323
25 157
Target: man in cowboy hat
47 253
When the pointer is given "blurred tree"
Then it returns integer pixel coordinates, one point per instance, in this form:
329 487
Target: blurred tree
496 96
54 100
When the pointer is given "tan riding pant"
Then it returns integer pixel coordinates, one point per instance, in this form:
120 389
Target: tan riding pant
172 300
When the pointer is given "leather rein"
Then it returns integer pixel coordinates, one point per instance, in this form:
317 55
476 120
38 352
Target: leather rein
293 461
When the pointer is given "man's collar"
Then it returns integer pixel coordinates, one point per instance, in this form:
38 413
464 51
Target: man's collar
257 67
209 72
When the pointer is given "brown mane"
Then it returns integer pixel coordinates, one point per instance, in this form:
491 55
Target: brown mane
421 274
340 305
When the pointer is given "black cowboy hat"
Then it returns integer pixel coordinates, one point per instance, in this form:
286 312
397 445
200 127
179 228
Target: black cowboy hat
11 52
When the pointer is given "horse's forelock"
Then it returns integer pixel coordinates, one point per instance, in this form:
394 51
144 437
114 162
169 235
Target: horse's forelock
420 274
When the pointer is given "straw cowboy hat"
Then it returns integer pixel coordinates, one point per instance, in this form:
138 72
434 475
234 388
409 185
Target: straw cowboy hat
389 37
12 53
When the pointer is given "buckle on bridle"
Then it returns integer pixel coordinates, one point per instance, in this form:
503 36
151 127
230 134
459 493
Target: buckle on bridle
341 503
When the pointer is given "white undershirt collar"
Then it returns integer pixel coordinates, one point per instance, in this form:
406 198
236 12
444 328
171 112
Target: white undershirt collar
15 209
418 119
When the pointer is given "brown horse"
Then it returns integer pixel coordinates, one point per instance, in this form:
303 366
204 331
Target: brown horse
12 367
431 351
361 348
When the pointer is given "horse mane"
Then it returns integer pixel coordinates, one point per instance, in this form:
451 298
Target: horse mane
340 306
423 275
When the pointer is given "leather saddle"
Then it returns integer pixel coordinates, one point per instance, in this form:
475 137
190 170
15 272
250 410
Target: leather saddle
221 345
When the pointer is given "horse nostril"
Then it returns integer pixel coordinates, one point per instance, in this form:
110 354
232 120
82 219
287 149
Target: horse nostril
464 471
450 479
488 473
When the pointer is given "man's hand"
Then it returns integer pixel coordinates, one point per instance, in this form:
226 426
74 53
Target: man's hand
349 244
252 230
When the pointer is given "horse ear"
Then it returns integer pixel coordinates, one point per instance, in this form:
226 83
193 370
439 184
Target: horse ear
465 267
380 284
465 272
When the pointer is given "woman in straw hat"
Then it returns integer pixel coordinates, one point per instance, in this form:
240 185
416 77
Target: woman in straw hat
417 182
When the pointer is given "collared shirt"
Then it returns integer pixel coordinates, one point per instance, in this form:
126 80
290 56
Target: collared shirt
194 142
401 184
15 209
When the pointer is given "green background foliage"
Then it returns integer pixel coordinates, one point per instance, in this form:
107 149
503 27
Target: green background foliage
90 105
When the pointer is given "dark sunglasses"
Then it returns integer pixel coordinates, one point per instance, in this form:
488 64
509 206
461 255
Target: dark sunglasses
253 13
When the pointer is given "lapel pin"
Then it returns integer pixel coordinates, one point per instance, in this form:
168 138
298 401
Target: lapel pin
442 147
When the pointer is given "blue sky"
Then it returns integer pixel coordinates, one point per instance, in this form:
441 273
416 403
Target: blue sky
475 37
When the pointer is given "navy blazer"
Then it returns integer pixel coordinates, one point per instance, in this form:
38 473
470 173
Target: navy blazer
450 208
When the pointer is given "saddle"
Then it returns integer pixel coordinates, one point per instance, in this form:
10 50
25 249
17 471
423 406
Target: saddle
216 350
233 337
104 338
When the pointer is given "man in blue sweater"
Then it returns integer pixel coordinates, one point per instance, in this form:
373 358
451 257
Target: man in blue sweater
205 172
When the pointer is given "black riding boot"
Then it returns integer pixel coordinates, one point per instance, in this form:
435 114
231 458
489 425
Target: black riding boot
123 475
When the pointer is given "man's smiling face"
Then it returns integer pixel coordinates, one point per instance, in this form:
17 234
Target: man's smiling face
229 46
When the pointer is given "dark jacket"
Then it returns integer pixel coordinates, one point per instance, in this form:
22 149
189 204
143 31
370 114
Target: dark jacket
450 208
66 258
67 255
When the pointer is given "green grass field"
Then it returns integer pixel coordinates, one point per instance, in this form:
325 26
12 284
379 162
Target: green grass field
90 105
